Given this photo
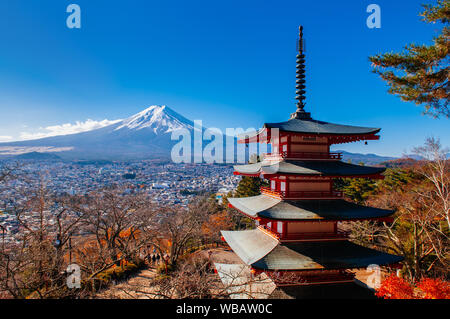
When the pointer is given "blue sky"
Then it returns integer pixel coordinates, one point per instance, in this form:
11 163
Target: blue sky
230 63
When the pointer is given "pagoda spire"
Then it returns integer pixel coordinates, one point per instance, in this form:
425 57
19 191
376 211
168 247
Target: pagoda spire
300 82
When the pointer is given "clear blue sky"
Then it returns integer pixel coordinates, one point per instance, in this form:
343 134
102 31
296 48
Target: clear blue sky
230 63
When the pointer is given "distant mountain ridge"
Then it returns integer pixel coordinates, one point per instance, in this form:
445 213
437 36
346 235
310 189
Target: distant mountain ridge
144 135
367 159
37 156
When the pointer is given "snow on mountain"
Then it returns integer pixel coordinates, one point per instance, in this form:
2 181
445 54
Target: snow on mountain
160 119
143 135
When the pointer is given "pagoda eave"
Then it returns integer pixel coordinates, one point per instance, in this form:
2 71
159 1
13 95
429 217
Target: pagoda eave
249 216
306 168
372 176
256 270
265 136
346 139
244 174
265 220
261 250
305 277
269 209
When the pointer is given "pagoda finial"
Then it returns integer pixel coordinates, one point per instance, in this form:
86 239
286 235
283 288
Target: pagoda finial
300 82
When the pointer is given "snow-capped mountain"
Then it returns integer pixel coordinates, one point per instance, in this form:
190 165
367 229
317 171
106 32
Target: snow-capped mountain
146 134
160 119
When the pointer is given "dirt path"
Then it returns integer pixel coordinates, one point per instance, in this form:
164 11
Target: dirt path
137 287
134 288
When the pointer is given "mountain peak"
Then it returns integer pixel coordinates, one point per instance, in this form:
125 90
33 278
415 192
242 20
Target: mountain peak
152 109
159 118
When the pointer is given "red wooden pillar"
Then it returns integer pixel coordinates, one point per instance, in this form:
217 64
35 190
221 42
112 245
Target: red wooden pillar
288 145
287 186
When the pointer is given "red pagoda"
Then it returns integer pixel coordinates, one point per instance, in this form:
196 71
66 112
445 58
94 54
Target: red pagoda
298 214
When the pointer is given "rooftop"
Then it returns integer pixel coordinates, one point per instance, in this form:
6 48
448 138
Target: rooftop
325 291
321 168
273 208
261 251
320 127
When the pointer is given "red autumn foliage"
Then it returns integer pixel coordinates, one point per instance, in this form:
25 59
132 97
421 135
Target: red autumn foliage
434 288
394 287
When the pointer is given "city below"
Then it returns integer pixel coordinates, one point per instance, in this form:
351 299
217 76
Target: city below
163 183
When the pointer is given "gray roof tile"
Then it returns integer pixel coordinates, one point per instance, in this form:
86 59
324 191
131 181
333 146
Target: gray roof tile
320 127
329 209
333 168
262 251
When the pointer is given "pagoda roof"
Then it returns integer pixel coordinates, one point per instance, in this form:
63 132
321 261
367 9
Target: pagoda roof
311 126
241 284
324 168
327 209
347 290
260 250
250 245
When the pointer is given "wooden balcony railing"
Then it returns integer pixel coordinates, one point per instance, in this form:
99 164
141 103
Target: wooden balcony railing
302 194
315 236
307 279
268 191
269 231
305 155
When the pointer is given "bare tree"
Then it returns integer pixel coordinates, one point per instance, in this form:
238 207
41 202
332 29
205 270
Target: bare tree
114 224
173 230
420 229
437 171
35 265
435 199
10 171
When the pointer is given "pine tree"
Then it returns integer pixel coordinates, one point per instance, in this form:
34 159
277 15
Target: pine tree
248 186
420 74
358 189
